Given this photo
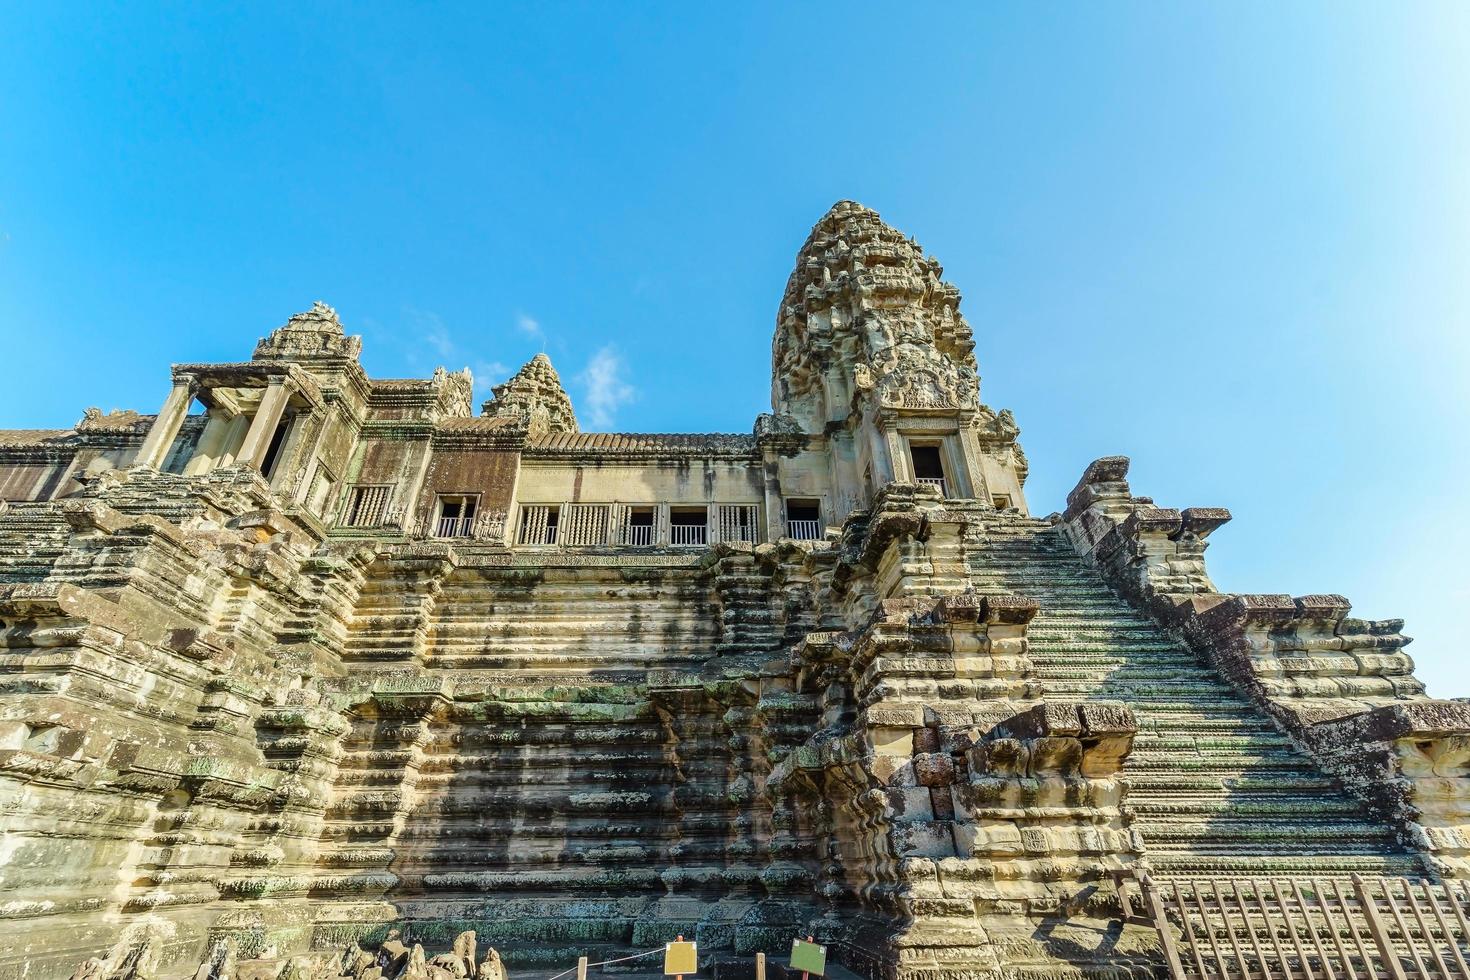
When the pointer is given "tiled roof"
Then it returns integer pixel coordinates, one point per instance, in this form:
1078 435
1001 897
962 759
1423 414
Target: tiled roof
684 443
33 437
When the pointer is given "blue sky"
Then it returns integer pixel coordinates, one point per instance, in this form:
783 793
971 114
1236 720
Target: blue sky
1227 240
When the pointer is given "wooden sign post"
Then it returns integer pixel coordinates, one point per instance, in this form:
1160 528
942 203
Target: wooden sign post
808 957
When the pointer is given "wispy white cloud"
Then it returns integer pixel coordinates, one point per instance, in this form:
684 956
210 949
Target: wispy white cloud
427 333
430 332
493 370
606 386
531 327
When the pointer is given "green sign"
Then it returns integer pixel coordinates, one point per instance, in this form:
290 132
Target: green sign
808 957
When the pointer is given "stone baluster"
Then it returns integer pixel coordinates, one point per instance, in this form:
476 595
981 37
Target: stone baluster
263 426
166 427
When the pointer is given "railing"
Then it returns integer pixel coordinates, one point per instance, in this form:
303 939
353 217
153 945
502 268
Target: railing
584 524
540 534
454 527
736 522
366 506
538 524
638 535
933 481
1263 929
687 534
804 530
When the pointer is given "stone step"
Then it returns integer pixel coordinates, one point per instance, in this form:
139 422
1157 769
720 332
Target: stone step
1134 693
1214 786
1153 742
1162 785
1122 671
1047 626
1310 807
1191 865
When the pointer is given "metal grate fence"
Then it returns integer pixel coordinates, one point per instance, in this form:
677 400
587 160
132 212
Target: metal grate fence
1312 929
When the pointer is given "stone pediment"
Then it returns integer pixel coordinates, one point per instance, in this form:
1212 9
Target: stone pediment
312 334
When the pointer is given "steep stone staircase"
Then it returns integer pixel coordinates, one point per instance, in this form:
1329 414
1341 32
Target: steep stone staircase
571 623
1217 790
32 537
551 821
567 798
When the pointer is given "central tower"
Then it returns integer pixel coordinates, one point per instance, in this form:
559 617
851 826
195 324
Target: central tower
872 355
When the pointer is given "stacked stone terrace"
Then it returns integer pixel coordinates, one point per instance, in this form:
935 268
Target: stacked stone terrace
308 656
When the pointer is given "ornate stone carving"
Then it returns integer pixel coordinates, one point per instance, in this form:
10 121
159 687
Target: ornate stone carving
535 395
311 334
868 299
456 391
867 329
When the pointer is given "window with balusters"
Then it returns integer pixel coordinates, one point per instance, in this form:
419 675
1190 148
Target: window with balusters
688 526
367 505
454 515
574 525
928 463
584 524
640 526
539 524
736 522
803 519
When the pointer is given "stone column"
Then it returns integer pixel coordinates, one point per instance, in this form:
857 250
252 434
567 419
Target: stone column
896 448
232 440
263 426
211 444
885 456
971 454
775 512
166 427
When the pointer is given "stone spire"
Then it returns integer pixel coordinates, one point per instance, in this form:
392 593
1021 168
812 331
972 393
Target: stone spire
868 304
872 355
866 311
312 334
534 393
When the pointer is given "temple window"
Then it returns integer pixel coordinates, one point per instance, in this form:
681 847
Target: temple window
585 524
539 524
803 519
273 451
455 515
366 505
688 525
638 531
928 466
737 523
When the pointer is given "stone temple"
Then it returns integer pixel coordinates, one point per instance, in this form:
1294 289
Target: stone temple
309 656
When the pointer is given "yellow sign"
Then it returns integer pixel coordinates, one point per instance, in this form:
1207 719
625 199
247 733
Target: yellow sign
681 959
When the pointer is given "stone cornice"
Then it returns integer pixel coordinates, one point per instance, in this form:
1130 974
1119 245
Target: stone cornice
253 374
